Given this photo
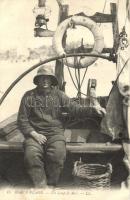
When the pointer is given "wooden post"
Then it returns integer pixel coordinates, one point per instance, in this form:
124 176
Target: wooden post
41 3
91 92
128 8
115 27
59 69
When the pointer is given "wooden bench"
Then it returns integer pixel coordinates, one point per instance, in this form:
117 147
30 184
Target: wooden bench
71 147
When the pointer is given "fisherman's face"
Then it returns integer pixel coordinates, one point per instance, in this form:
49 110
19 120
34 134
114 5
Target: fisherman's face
44 82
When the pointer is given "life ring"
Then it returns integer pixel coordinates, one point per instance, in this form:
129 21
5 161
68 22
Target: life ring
86 22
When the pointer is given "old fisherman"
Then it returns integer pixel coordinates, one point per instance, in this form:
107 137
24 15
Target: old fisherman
39 119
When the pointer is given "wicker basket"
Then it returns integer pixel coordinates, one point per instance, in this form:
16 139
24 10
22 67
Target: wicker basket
92 175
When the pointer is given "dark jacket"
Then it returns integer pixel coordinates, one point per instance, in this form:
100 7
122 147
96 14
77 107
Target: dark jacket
42 113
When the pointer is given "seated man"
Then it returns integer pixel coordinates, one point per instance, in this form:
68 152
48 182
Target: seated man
39 119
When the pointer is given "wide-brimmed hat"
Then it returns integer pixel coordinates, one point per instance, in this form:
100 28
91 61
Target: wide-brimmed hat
45 71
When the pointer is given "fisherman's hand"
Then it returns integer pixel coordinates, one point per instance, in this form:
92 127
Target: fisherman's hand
41 139
100 111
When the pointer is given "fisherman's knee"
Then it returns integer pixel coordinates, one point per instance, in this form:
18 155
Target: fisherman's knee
57 152
32 157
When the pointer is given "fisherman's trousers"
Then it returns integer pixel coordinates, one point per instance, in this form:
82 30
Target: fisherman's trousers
44 163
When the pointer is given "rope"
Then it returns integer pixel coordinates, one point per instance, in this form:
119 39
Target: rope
76 76
75 84
70 74
115 82
127 11
79 77
103 10
125 21
104 6
63 73
72 78
77 88
76 63
84 76
82 45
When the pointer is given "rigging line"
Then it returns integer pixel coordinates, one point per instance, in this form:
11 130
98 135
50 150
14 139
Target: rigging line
75 62
62 73
126 15
117 8
79 75
70 74
76 76
115 82
104 6
86 67
127 11
74 82
72 78
76 86
103 10
125 21
79 85
84 76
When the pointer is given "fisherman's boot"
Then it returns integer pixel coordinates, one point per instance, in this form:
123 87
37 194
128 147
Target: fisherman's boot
38 177
34 163
54 172
55 157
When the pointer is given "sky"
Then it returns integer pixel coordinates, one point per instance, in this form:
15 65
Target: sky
17 20
16 31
